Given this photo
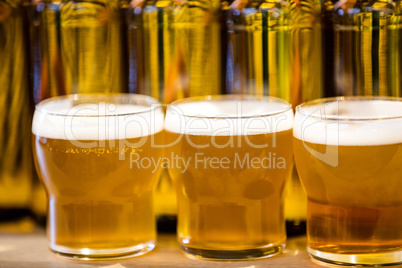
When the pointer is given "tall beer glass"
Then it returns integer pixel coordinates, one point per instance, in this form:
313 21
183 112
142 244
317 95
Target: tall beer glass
348 153
100 200
229 161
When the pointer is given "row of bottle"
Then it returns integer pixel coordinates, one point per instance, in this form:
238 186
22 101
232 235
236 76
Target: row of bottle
296 50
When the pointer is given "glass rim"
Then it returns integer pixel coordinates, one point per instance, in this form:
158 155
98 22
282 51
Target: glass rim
247 97
140 99
321 101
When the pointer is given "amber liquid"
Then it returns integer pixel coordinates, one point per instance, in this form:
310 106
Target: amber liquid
77 47
256 58
16 164
361 51
233 208
173 52
97 201
174 49
356 207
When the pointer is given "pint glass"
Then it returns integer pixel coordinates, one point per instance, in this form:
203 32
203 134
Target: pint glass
100 199
348 154
229 160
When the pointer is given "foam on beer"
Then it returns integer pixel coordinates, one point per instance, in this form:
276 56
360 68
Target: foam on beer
351 122
95 121
229 117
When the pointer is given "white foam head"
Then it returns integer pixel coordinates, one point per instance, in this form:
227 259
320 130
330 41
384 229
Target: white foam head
86 117
229 116
350 121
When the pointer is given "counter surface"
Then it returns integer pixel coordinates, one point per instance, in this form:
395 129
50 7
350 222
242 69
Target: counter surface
30 250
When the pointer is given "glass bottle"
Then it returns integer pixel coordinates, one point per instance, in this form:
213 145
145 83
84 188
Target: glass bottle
362 47
16 167
305 84
76 47
258 38
270 49
173 52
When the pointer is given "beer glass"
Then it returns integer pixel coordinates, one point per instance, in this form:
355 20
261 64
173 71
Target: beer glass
97 158
348 155
229 160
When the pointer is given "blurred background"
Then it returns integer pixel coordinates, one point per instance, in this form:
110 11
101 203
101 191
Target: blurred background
297 50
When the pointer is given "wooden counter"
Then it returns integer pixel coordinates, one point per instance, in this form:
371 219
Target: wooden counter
30 250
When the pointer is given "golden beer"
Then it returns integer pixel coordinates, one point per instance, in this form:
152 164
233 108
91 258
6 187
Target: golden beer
229 181
100 198
349 161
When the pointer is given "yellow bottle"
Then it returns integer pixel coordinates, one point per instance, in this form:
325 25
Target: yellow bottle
15 120
77 47
174 52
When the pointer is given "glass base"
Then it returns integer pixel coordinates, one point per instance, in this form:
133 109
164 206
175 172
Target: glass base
240 255
88 254
362 260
